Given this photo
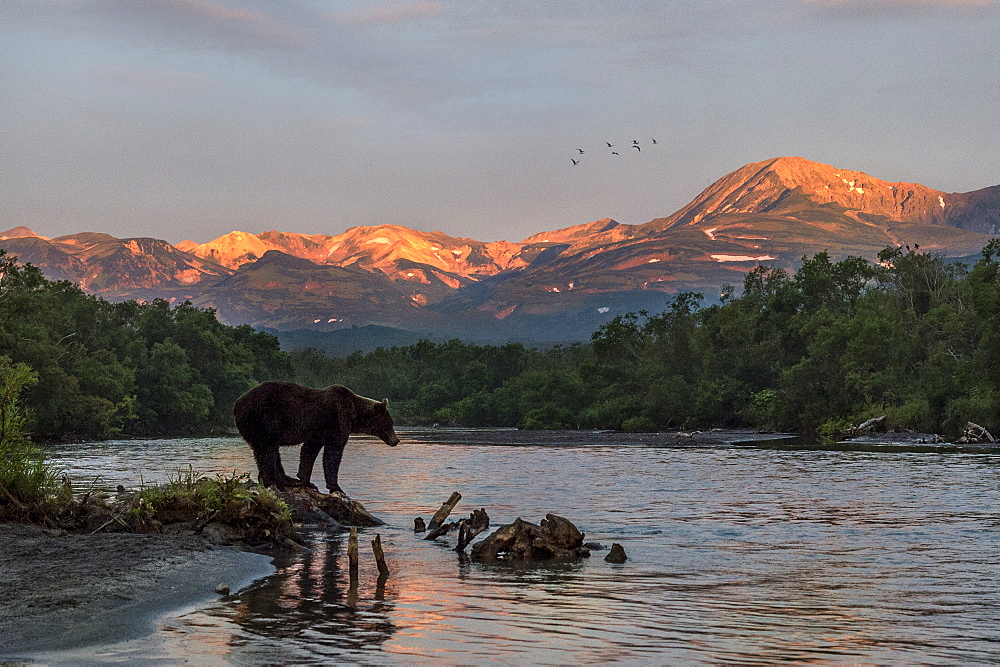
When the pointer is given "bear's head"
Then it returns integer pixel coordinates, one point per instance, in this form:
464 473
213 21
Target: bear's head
380 424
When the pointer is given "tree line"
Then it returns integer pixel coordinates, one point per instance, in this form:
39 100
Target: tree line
910 336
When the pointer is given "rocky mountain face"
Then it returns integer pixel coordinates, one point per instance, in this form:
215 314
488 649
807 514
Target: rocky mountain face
784 184
555 285
114 268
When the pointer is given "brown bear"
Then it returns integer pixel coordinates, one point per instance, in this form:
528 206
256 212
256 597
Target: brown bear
276 414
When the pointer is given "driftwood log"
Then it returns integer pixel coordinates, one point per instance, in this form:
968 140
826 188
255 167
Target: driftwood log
554 538
332 510
975 434
875 423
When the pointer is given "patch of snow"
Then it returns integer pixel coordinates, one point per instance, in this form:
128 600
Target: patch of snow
742 258
603 309
379 239
316 321
941 201
410 274
652 261
710 233
572 285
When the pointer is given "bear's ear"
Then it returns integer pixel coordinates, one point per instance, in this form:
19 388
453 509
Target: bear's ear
385 402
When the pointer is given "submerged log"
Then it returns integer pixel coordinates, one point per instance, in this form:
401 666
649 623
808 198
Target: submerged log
311 506
554 538
439 531
442 514
477 522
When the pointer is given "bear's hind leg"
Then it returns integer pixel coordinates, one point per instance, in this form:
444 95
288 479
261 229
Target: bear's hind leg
307 457
269 468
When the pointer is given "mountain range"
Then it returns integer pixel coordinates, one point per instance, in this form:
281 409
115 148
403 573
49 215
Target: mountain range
557 285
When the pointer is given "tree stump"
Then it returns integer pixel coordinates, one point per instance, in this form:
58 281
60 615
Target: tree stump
383 569
352 553
617 554
554 538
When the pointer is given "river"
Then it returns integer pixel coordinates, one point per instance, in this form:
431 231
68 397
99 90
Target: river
737 554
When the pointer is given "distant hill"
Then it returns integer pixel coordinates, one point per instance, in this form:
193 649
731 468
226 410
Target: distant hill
558 285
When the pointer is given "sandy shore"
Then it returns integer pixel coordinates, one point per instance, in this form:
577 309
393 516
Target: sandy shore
61 590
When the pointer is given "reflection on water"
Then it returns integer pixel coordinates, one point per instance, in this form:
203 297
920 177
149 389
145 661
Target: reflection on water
736 554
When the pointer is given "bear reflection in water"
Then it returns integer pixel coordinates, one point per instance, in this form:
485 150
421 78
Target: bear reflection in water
280 414
311 596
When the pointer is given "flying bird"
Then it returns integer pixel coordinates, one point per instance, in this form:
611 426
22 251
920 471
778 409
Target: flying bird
580 149
637 148
575 162
614 152
654 141
610 145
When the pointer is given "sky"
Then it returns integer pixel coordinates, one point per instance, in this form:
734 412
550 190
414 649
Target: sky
188 119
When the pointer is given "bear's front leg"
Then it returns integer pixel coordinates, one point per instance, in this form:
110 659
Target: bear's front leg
332 455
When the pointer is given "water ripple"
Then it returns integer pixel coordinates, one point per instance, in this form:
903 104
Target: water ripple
736 555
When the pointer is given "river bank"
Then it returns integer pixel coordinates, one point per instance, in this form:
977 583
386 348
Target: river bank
64 591
573 438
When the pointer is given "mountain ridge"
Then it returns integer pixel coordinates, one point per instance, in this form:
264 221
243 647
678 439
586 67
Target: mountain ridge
560 283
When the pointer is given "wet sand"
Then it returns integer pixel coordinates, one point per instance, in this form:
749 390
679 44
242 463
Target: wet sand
64 591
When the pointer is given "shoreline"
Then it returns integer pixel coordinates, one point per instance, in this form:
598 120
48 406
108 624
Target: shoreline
68 591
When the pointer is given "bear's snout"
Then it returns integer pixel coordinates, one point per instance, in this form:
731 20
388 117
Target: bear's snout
391 439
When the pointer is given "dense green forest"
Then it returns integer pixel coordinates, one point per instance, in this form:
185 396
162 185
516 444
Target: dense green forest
105 369
911 336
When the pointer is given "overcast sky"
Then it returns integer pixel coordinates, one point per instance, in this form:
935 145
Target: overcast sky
192 118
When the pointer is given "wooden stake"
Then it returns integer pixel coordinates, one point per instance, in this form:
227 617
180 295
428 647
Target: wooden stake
383 569
352 553
442 514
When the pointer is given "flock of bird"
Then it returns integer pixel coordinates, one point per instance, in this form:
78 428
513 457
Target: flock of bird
608 149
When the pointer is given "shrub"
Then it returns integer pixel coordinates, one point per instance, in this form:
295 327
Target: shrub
638 425
28 485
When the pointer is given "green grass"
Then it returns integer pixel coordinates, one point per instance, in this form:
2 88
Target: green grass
253 511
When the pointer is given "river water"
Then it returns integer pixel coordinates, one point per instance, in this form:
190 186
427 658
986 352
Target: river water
736 554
